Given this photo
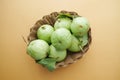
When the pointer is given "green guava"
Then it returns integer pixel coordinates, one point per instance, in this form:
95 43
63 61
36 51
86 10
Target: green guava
63 23
84 40
38 49
45 32
59 55
61 39
75 46
79 26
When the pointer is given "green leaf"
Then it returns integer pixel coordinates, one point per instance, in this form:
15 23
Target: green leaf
49 63
65 15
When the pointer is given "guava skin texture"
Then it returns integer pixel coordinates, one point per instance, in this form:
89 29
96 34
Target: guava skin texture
61 39
59 55
45 32
75 46
63 23
38 49
79 26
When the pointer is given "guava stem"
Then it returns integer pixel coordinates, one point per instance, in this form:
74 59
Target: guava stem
81 49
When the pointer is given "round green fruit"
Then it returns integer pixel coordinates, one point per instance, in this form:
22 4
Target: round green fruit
44 32
38 49
75 46
84 40
63 23
79 26
59 55
61 39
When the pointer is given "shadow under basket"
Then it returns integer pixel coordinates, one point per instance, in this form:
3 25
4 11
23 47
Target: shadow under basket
50 19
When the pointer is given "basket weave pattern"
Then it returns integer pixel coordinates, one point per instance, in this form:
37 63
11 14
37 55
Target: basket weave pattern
50 19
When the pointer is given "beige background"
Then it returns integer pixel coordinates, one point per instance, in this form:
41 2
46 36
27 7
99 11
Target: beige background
101 62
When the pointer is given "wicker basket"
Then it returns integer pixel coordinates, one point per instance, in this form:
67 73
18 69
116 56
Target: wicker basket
50 19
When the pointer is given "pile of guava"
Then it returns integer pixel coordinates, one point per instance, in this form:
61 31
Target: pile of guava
69 33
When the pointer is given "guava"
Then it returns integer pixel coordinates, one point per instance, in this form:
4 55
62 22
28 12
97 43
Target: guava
38 49
61 39
44 32
75 46
59 55
79 26
83 40
63 23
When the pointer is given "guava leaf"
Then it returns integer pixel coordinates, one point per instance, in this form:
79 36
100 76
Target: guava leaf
65 15
49 63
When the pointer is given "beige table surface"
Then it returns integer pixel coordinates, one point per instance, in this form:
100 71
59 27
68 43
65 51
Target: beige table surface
101 62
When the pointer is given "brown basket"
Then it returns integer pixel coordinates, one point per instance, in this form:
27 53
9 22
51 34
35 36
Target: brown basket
50 19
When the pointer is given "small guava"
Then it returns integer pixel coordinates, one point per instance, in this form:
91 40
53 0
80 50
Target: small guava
38 49
75 46
63 23
61 39
79 26
59 55
45 32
